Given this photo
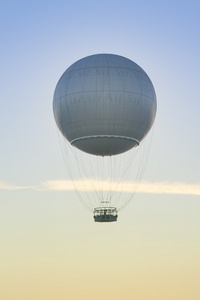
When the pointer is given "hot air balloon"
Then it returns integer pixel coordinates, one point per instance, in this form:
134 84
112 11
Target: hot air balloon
104 105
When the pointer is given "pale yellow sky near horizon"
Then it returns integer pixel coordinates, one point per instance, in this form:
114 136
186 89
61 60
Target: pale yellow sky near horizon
52 249
54 262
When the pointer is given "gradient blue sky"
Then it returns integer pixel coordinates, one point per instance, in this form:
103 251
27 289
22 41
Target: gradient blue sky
156 240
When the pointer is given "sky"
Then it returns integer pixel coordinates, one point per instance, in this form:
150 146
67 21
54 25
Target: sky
50 247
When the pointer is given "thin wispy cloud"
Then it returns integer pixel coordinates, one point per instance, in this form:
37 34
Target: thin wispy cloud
11 187
143 187
178 188
169 188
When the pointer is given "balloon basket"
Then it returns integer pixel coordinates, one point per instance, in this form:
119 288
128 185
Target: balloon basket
105 214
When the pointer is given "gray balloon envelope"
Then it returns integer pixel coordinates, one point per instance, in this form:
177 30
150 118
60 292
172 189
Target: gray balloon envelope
104 104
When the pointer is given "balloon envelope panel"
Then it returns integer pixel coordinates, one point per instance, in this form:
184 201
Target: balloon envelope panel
104 104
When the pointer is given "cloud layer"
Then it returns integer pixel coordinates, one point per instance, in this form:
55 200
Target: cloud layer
89 185
144 187
11 187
